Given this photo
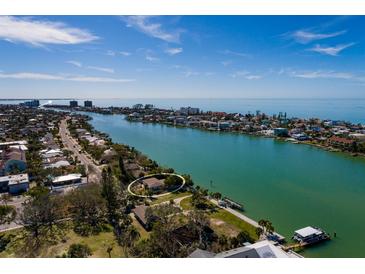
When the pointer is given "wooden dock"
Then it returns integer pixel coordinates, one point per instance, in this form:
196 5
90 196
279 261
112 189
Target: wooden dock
294 246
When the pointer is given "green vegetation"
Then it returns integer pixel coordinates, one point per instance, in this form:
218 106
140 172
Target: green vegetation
235 222
7 214
79 251
171 196
99 245
87 210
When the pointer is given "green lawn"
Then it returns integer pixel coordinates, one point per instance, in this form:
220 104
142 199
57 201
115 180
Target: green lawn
169 197
234 222
186 204
223 222
97 243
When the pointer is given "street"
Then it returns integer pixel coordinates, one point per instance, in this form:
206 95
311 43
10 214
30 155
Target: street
93 171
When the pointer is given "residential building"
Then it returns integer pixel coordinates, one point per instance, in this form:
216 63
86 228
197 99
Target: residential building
14 184
189 111
12 159
153 184
262 249
140 214
67 180
281 132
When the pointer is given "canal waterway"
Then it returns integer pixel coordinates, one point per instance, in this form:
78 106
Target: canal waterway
292 185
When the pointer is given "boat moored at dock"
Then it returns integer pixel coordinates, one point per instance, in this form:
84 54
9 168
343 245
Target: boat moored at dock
310 235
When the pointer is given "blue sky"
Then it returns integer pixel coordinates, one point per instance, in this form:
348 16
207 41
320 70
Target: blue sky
182 57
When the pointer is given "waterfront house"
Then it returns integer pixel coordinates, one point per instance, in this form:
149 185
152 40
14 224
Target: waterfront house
262 249
281 132
340 142
153 184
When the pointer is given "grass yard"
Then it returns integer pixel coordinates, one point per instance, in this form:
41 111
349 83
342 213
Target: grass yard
232 222
186 204
223 222
97 243
169 197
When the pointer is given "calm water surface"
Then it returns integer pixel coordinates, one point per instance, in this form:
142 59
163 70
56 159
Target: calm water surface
292 185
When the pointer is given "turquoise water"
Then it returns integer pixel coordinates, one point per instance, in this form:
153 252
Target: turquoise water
352 110
292 185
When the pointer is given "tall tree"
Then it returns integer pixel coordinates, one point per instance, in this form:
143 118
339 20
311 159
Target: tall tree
42 218
88 209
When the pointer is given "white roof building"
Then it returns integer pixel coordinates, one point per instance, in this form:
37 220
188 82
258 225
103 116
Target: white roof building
20 147
67 178
15 179
262 249
308 231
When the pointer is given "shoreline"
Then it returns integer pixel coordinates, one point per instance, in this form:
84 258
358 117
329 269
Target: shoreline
323 145
280 239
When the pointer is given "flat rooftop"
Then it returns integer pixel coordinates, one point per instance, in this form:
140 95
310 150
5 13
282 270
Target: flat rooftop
15 179
66 178
308 231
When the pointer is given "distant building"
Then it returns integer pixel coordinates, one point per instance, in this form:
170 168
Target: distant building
14 184
138 106
88 104
189 111
74 104
281 132
31 104
340 142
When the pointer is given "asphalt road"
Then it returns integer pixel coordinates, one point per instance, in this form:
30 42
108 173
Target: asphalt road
93 170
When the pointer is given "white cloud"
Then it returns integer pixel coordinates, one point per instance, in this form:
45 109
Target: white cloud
125 53
80 65
152 29
329 74
151 58
174 51
246 74
230 52
305 37
40 33
333 51
75 63
110 53
43 76
108 70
